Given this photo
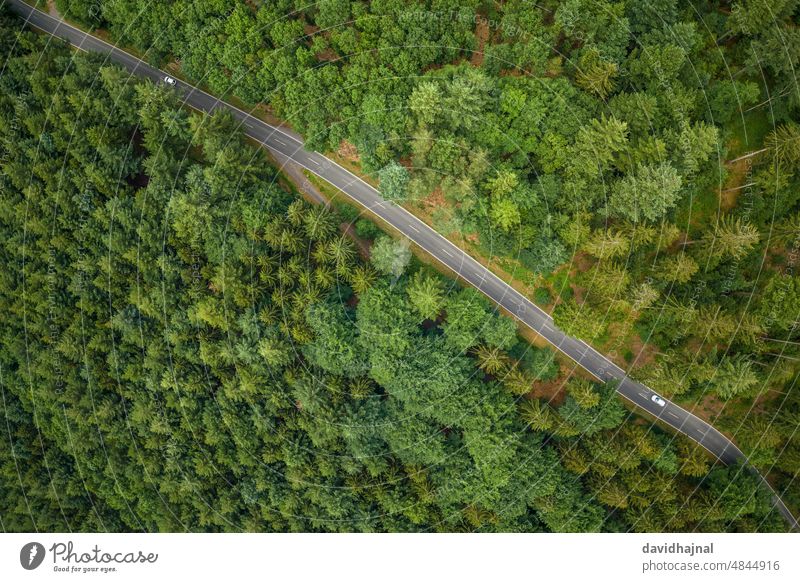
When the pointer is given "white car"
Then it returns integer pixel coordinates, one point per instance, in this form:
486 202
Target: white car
170 81
658 400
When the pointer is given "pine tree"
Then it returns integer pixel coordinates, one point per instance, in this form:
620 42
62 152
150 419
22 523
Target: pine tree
362 278
537 416
426 294
784 141
491 360
733 238
341 252
596 75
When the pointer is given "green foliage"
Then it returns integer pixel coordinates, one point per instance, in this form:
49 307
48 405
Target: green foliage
467 317
589 410
394 182
386 323
596 75
183 319
366 228
738 492
780 303
733 238
579 320
734 376
646 195
390 256
583 393
785 143
542 296
426 294
334 347
541 362
501 333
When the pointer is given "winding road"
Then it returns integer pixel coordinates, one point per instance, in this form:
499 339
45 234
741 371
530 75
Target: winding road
287 144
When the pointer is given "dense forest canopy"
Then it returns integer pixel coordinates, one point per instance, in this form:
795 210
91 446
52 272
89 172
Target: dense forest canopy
186 345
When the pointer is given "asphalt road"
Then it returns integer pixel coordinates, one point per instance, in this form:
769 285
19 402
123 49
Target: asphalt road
287 144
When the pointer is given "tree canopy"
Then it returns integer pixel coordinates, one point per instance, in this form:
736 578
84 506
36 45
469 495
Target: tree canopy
188 346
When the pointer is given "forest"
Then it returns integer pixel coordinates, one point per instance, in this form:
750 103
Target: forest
633 164
187 345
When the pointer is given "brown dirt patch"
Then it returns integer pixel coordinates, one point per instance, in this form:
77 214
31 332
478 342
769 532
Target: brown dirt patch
348 151
292 175
328 55
553 392
643 353
582 262
578 293
737 174
434 200
52 10
764 401
481 35
709 408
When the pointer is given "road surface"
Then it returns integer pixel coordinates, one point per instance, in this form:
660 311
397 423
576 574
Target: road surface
287 144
